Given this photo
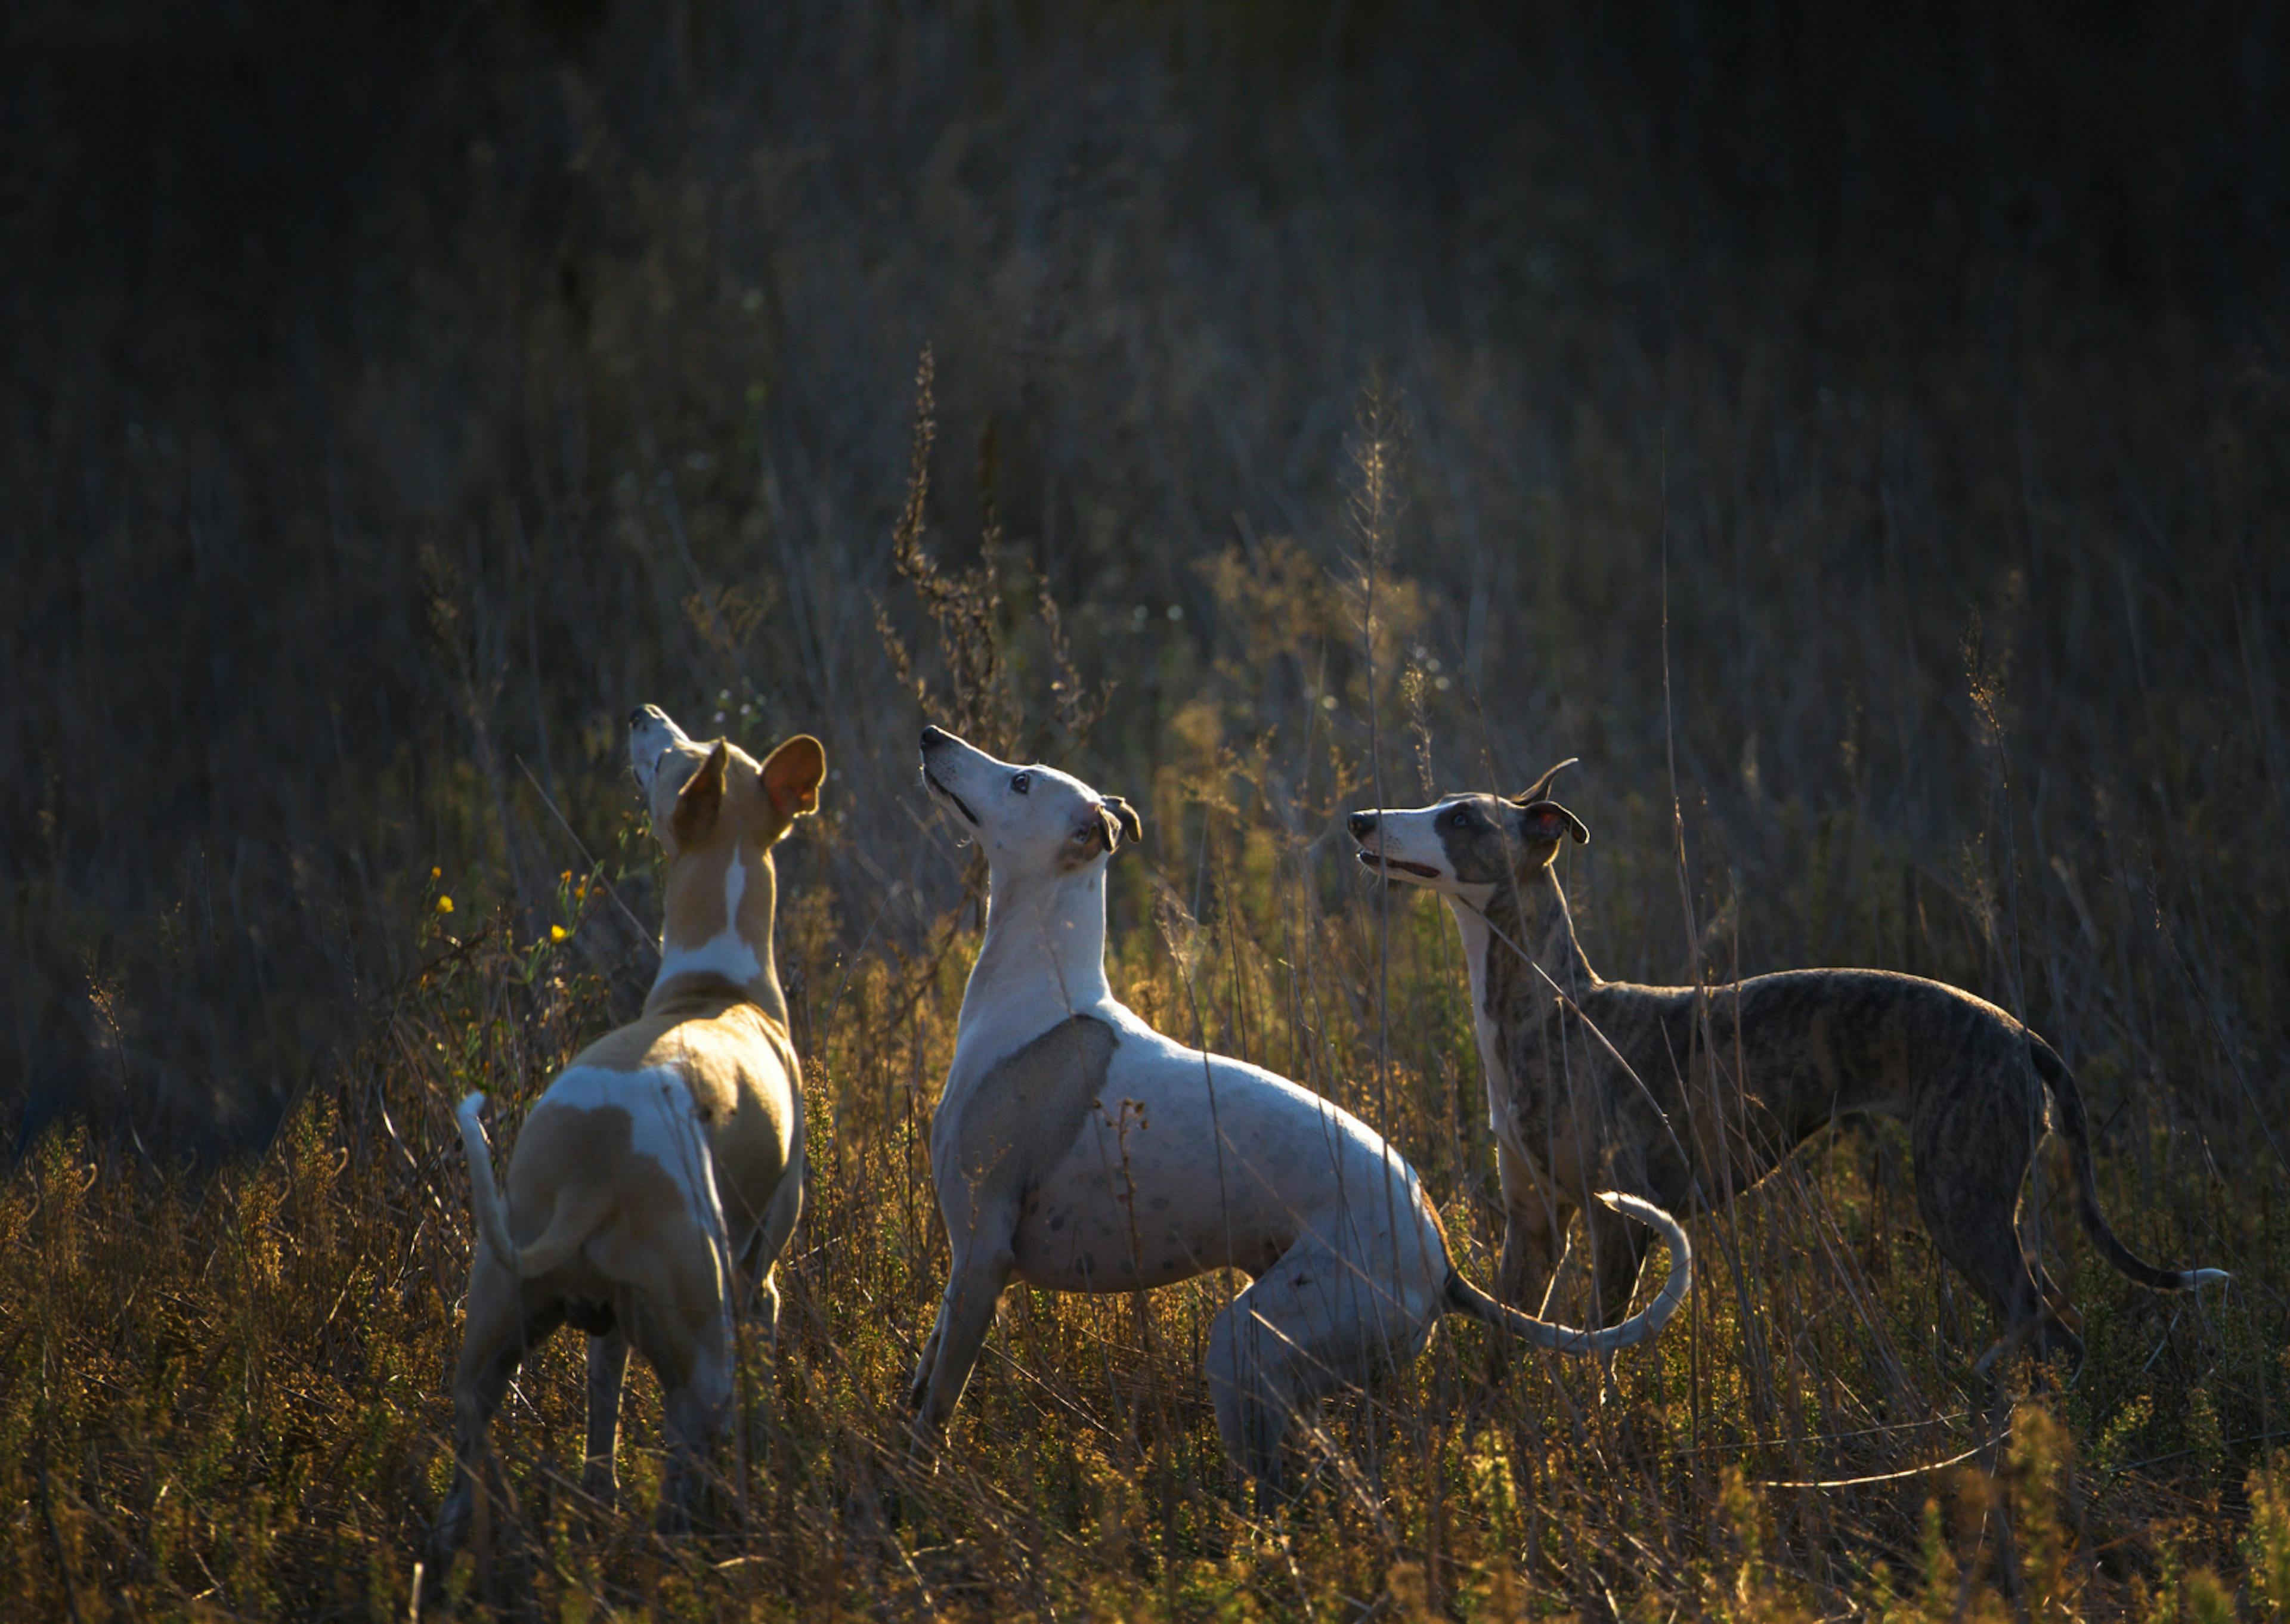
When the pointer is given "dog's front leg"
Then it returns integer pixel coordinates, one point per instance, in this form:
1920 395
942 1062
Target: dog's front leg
965 1315
1536 1216
918 1384
608 1365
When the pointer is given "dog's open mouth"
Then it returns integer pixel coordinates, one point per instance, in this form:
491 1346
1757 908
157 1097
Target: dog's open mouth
931 779
1393 864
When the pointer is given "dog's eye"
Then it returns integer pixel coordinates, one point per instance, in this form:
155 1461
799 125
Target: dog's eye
1023 783
1458 819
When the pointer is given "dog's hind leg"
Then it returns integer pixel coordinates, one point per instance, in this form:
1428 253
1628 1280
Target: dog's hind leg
1618 1251
697 1412
1253 1409
608 1366
1968 1170
763 1253
1313 1322
498 1334
2056 1301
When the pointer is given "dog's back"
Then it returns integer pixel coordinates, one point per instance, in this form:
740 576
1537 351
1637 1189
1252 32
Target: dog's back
1788 1053
717 1078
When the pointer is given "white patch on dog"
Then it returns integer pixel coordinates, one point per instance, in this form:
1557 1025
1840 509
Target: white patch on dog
728 953
1476 938
662 1125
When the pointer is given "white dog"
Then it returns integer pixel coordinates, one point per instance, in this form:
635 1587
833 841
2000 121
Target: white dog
1077 1148
665 1163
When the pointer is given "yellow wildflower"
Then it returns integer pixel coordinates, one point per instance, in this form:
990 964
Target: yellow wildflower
444 905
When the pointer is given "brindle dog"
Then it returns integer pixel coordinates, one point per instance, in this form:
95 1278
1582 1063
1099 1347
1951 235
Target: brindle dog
1686 1100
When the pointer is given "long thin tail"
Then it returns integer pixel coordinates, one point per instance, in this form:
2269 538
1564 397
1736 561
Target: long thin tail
2067 1111
1464 1297
484 1194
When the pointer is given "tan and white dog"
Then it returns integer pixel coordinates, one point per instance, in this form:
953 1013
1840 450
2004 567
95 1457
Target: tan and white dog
662 1169
1077 1150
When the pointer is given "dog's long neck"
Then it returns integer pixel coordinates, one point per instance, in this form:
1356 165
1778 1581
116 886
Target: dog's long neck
722 941
1510 932
1042 959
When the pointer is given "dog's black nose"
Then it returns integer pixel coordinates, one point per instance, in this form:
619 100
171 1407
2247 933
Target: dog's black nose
637 717
1361 824
934 735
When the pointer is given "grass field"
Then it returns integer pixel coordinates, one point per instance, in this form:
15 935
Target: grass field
1880 484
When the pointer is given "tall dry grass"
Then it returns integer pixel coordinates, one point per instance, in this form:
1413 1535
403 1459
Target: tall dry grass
1862 442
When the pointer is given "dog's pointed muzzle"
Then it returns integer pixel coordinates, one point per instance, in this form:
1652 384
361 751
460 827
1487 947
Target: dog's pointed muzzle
933 736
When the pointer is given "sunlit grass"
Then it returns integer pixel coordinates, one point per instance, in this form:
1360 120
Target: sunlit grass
225 1391
1926 615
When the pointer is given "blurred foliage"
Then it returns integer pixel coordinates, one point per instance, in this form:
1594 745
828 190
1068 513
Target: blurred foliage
396 394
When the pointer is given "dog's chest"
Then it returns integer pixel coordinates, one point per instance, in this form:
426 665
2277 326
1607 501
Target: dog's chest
1492 1063
1518 1048
1505 1018
1486 1026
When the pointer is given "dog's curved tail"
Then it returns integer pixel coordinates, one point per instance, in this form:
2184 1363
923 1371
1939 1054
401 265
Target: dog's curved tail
578 1208
2067 1110
1464 1297
484 1194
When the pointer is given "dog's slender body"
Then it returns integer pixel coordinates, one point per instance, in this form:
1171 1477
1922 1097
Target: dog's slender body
662 1169
1592 1083
1077 1150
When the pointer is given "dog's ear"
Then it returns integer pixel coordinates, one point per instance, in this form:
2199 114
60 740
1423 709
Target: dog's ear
700 798
1540 787
1119 813
792 775
1549 821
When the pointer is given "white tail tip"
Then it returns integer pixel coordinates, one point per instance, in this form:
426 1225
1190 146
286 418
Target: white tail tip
1672 1232
473 1102
2197 1278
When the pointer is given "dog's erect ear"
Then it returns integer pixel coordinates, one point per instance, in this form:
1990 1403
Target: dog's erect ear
1540 787
1120 813
1549 821
700 798
792 775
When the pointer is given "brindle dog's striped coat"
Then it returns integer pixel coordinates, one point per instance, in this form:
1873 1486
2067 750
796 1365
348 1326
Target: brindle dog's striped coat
1594 1085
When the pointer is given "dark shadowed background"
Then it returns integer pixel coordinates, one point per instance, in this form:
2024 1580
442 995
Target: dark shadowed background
394 394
